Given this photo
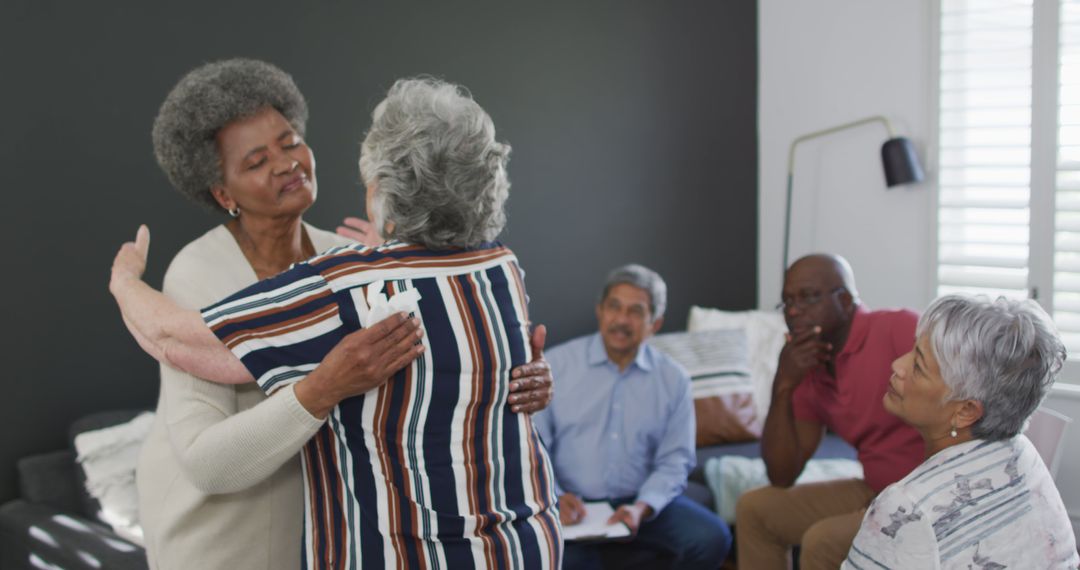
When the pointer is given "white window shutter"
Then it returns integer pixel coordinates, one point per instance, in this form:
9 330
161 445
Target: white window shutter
1066 258
984 145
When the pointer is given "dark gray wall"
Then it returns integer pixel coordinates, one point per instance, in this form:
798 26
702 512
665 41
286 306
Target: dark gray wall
633 126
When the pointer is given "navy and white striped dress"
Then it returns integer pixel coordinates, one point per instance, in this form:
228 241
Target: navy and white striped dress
432 470
979 504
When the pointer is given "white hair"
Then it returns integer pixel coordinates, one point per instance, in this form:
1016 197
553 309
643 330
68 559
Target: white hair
1003 353
439 174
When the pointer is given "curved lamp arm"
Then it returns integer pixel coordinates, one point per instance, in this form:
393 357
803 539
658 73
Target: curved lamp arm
898 157
803 138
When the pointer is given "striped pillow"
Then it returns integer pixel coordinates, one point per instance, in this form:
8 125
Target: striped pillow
720 379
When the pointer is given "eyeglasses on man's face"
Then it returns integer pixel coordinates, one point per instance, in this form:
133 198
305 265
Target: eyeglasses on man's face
806 299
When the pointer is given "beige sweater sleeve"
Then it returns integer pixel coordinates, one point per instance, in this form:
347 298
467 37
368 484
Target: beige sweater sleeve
222 442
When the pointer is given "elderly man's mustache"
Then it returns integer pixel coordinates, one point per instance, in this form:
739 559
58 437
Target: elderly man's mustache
621 329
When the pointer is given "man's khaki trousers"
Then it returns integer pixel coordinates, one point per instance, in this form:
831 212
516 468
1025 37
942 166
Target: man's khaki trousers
822 518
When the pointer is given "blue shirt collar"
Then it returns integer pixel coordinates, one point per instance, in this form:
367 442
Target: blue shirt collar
597 355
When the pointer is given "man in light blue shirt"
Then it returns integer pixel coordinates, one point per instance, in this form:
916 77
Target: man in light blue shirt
621 429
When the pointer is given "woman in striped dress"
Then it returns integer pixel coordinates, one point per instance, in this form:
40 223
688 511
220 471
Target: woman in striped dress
431 470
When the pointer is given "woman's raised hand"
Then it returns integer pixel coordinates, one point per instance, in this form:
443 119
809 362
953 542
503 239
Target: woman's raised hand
130 261
360 230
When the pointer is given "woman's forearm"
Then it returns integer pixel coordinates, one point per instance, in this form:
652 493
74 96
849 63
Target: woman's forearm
223 449
166 331
173 335
212 361
144 343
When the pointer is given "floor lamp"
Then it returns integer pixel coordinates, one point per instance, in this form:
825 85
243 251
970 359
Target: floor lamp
897 157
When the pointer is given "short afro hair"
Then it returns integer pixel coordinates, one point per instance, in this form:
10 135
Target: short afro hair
205 100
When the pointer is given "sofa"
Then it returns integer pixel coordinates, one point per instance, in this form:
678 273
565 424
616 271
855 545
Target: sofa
54 523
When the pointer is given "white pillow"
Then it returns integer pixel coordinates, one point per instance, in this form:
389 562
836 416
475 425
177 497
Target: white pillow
108 457
764 338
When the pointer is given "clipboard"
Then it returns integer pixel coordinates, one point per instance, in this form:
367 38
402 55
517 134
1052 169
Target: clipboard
593 526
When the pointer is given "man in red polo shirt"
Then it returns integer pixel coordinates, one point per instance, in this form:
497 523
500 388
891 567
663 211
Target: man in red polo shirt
833 373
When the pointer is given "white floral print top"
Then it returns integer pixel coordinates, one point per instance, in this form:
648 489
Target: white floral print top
977 505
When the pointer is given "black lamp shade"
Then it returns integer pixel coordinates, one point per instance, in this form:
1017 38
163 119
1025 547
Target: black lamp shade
900 162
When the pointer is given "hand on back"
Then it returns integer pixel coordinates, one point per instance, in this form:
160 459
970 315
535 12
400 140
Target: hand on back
362 361
360 230
531 389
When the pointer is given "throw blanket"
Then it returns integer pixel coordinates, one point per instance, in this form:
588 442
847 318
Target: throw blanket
731 476
108 457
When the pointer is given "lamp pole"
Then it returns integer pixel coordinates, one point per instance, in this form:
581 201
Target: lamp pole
791 165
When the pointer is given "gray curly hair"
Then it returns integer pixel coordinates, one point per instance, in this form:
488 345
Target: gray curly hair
439 174
1004 353
205 100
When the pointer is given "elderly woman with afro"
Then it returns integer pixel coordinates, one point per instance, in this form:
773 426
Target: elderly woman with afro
219 476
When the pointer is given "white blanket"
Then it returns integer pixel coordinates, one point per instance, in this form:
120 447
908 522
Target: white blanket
731 476
108 457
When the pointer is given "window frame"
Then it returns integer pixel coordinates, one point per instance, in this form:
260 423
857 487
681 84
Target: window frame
1044 158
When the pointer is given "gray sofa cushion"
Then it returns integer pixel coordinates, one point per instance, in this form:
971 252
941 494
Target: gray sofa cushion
700 494
38 536
50 479
54 524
